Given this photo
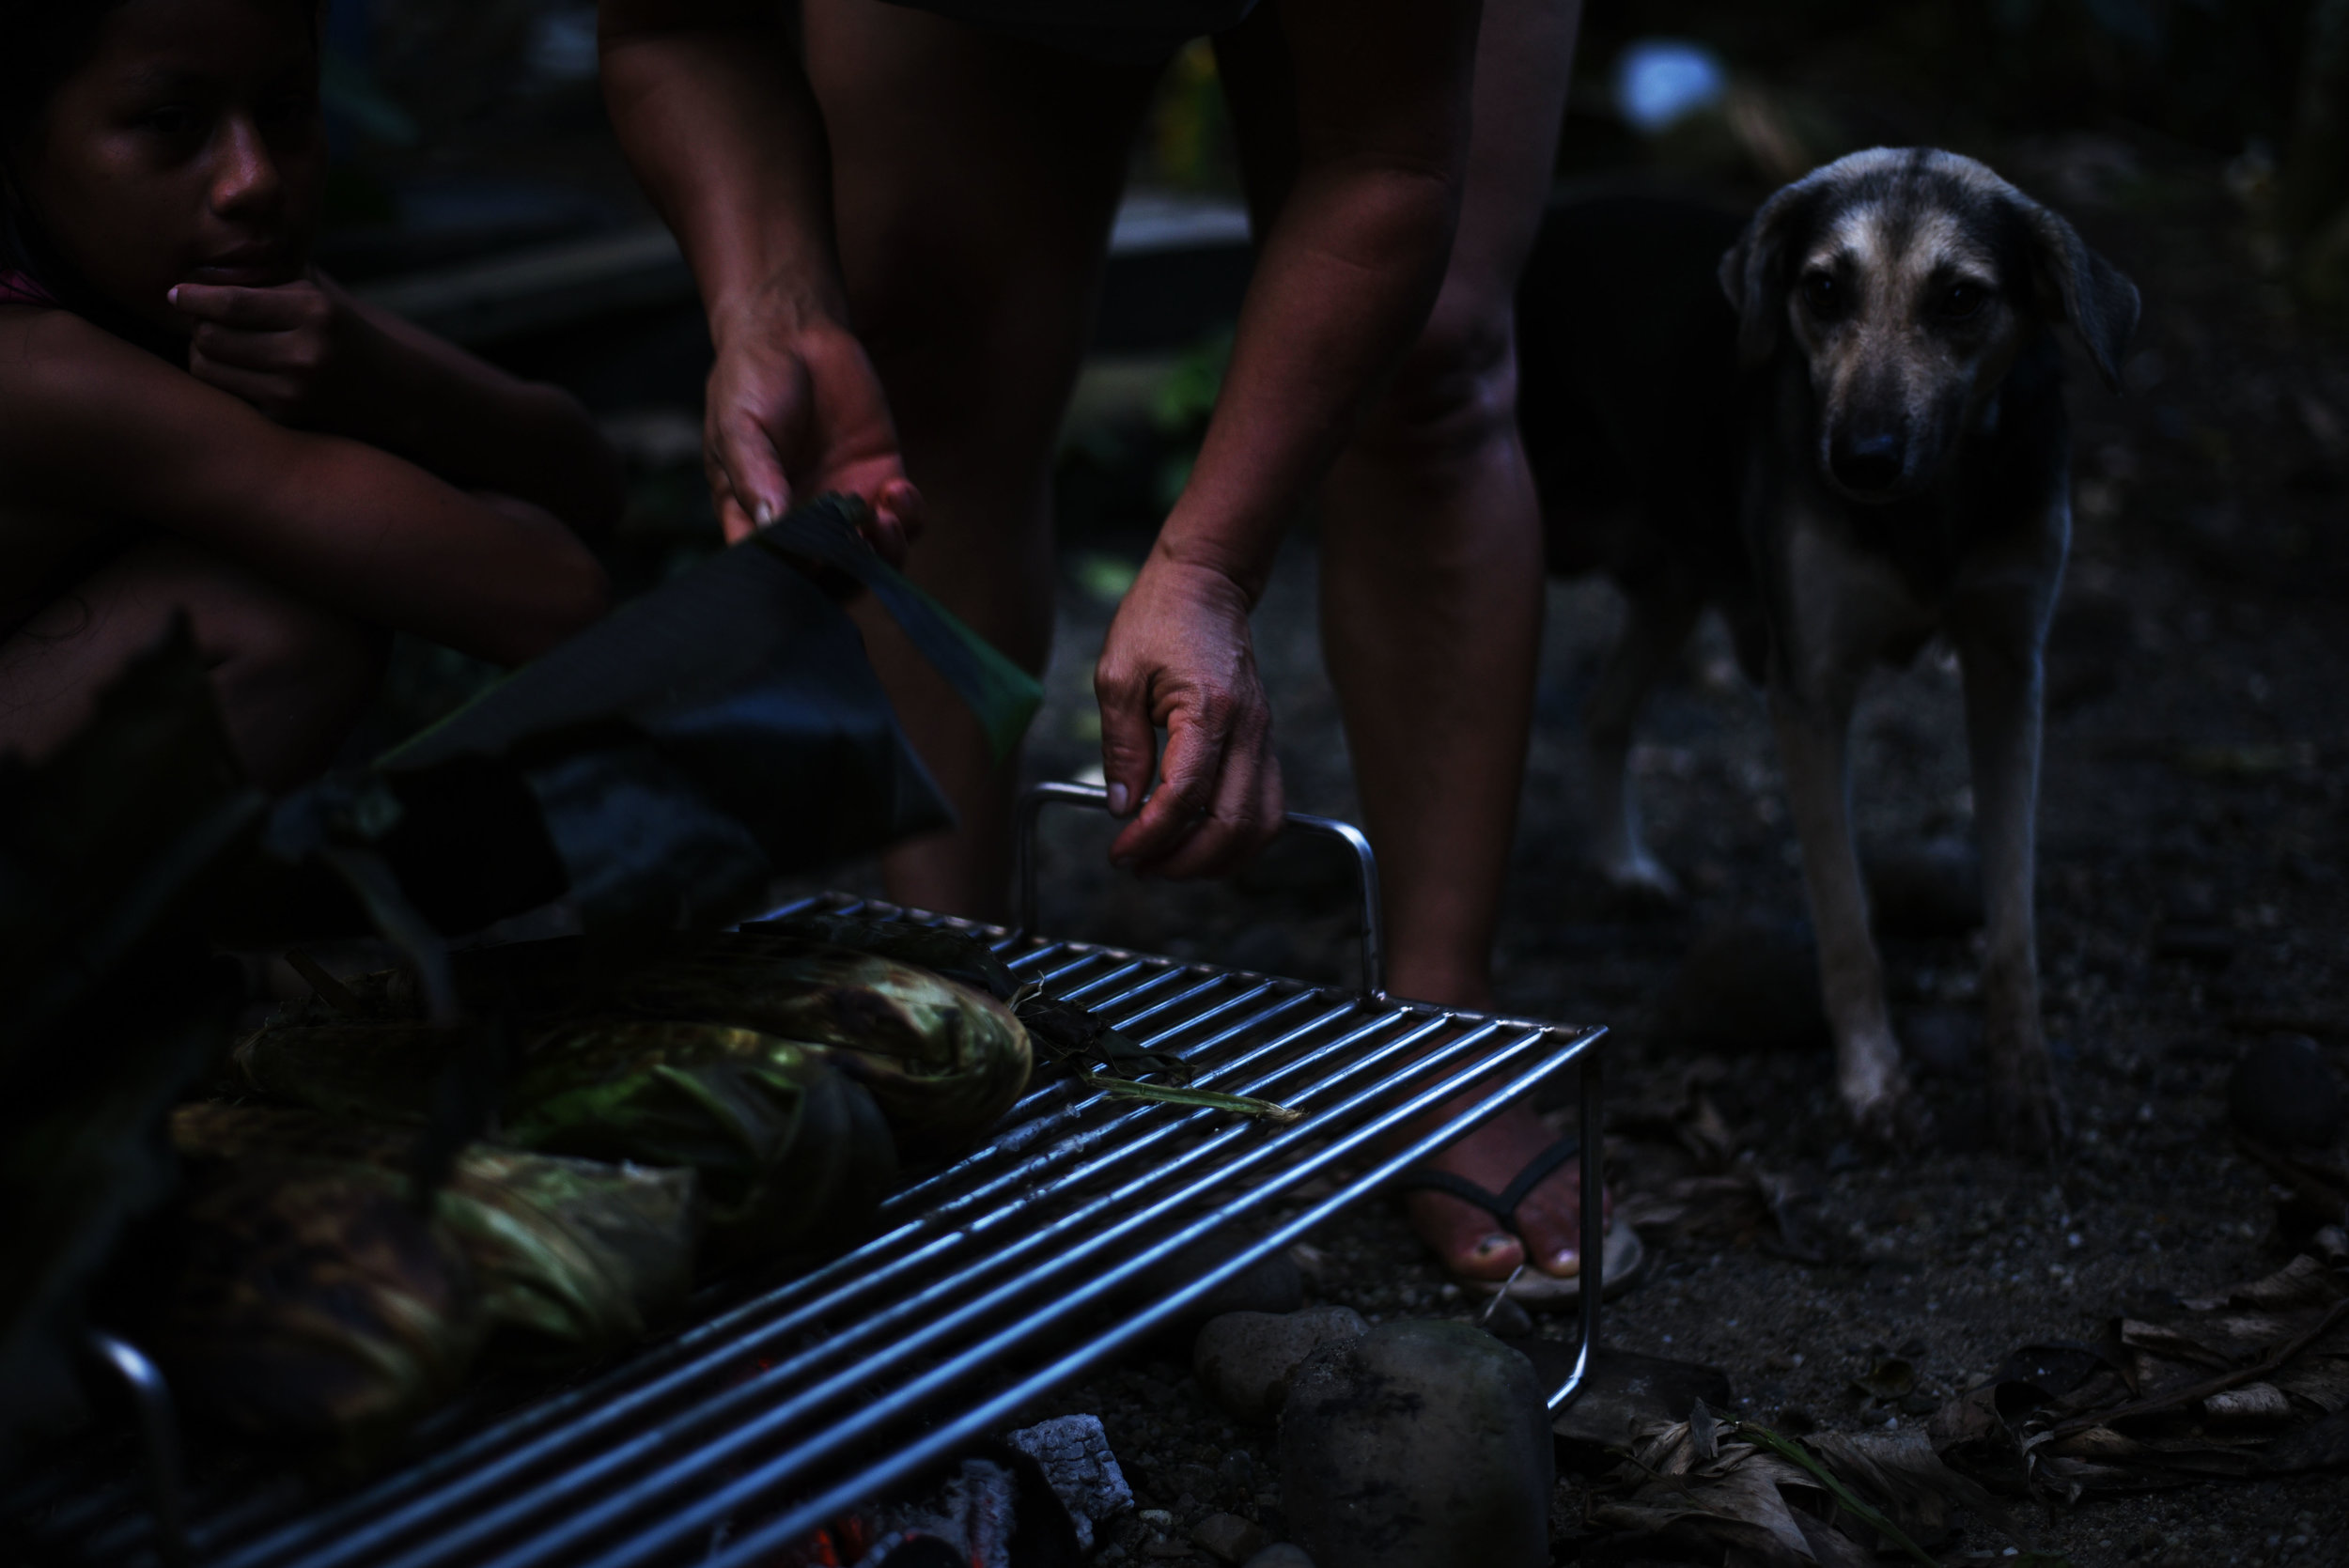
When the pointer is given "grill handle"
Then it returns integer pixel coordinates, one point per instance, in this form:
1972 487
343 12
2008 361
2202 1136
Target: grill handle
121 1364
1032 806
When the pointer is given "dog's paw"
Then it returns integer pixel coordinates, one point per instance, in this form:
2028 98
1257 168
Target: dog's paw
2027 1114
1895 1120
1641 881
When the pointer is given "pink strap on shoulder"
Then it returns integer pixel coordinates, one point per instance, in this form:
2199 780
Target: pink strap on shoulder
18 289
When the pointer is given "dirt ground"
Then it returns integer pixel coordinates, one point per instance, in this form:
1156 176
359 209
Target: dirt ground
2191 898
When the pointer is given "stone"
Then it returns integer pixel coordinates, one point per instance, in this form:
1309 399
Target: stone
1243 1359
2282 1092
1417 1445
1504 1318
1750 985
1926 890
1281 1556
1073 1452
1270 1284
1227 1537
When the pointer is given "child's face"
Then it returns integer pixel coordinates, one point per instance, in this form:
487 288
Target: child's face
188 150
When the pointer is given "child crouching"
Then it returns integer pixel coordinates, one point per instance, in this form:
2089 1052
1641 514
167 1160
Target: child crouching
193 421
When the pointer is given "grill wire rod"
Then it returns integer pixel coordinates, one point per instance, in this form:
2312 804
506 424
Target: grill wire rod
988 1284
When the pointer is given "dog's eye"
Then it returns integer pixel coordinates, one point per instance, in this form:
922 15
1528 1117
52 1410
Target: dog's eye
1962 299
1822 293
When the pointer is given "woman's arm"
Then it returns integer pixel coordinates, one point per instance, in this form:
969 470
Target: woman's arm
308 354
719 121
1344 284
96 428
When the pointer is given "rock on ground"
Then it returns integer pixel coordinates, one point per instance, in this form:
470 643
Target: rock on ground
1228 1538
1243 1359
1417 1445
1281 1556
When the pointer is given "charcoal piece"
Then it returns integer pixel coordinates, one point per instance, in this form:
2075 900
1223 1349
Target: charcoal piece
1073 1452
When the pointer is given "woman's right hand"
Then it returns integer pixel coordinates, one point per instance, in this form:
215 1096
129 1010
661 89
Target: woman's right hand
794 410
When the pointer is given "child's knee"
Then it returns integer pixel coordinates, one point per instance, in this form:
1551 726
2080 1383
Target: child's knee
292 680
291 645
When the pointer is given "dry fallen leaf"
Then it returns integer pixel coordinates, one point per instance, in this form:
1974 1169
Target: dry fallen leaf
2250 1382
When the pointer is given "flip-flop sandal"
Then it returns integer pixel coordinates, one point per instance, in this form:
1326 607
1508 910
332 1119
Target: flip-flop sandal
1622 1257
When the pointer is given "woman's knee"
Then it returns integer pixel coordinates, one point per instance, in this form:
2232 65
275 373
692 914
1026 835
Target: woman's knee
1455 395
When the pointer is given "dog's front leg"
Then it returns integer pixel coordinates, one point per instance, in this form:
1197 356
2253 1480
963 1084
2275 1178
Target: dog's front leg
1654 627
1814 730
2000 652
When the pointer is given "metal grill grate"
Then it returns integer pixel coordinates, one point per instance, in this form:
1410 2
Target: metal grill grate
989 1284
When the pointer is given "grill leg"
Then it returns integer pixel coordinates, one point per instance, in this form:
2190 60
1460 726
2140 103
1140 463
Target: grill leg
1593 1231
158 1435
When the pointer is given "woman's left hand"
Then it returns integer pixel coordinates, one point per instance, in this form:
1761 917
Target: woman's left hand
1178 658
296 351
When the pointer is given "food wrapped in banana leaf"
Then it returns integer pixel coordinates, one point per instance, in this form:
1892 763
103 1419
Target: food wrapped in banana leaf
373 1071
311 1302
1061 1028
572 1258
791 1154
943 1060
576 1257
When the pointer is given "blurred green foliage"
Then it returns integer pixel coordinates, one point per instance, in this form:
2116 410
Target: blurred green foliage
1190 143
1185 403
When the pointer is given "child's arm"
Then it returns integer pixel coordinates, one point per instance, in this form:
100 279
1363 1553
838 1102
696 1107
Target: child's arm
91 428
307 354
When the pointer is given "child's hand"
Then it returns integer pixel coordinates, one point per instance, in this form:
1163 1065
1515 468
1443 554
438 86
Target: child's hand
294 351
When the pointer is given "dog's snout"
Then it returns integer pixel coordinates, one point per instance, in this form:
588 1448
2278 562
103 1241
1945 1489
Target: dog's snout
1867 462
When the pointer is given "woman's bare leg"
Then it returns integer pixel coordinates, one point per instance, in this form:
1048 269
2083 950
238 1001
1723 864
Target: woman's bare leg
975 179
1432 587
292 677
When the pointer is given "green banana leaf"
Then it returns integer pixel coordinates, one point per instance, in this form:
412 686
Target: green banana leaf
1003 696
792 1156
1062 1029
577 1258
572 1258
311 1303
372 1071
943 1060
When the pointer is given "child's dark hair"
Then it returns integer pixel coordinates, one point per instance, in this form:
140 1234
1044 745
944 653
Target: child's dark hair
48 41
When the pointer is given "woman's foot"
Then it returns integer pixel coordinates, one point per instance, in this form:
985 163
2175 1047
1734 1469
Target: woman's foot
1473 1245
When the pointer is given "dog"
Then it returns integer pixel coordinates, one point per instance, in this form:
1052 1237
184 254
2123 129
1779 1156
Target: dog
1840 423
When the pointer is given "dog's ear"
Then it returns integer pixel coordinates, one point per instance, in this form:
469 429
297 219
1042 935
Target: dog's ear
1753 270
2076 285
